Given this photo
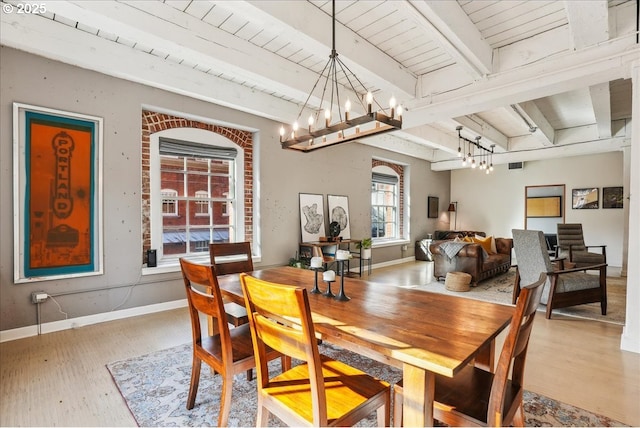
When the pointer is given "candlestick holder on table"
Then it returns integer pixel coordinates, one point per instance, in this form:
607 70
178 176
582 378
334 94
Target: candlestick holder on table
328 277
316 265
341 296
316 289
328 293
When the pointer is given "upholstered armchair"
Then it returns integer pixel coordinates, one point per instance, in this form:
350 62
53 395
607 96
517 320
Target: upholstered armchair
564 287
572 247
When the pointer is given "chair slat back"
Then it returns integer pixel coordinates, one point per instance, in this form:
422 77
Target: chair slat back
241 253
207 301
513 355
280 317
570 234
531 254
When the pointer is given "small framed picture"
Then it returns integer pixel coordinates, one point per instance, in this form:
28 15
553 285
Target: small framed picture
585 199
432 206
311 217
339 212
612 197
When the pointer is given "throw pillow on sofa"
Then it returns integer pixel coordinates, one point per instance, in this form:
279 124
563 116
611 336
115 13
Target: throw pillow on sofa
488 243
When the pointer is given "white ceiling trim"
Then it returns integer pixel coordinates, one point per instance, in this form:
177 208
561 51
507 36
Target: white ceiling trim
454 31
597 64
86 51
361 56
555 152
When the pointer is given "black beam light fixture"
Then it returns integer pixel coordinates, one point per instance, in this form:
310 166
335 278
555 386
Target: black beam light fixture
339 128
485 153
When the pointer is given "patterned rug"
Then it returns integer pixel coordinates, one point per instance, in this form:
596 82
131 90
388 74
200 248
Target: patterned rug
499 289
155 388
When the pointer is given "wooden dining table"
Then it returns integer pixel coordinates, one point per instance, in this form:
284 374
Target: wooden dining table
422 333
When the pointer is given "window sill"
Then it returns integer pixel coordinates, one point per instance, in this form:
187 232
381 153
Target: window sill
173 265
389 243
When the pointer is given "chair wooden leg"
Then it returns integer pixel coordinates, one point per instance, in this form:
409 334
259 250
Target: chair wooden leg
285 362
195 380
249 375
397 406
262 419
225 400
518 418
383 414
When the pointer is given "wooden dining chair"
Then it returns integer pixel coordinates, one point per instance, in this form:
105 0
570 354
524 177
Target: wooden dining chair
232 257
228 352
477 397
318 392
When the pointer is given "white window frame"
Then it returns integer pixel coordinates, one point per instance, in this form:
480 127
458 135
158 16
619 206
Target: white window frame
382 169
199 136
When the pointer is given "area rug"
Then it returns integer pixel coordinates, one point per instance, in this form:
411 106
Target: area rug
499 289
155 388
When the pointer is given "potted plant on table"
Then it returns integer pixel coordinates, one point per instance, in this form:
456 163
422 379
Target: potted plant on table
365 248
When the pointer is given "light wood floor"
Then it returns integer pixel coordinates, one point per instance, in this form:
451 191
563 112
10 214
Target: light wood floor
60 378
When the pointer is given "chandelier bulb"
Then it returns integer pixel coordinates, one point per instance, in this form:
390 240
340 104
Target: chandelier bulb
295 126
310 121
392 105
369 102
282 131
459 152
400 111
347 109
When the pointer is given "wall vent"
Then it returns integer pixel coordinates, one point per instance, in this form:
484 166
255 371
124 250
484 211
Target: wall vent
516 165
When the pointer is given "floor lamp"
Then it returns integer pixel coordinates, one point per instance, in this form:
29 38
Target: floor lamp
453 208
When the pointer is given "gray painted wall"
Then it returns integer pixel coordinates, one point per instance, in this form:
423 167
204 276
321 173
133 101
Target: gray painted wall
343 170
496 202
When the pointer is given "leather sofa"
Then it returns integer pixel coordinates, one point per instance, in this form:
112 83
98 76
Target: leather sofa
471 258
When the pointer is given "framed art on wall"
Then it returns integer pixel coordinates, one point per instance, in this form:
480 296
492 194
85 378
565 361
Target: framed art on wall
57 194
432 206
584 199
339 212
612 197
544 206
311 217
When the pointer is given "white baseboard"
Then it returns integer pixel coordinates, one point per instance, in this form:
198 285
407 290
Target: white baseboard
383 264
32 330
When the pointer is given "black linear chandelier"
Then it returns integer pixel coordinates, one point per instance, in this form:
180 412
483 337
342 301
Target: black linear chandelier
485 155
328 132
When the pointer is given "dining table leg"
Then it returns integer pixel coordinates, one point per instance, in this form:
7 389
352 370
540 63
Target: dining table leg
418 393
485 359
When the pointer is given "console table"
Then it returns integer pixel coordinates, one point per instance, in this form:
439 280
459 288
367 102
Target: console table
319 249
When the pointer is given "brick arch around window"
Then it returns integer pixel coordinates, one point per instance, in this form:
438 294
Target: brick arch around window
398 169
153 122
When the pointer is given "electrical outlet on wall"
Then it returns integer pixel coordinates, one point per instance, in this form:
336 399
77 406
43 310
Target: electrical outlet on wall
39 296
404 248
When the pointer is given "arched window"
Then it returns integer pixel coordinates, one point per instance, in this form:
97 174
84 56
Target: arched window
387 200
197 173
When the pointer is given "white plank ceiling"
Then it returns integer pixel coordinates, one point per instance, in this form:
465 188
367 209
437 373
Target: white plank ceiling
499 68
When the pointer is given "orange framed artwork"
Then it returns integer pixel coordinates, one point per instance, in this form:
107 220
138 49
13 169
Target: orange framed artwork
57 194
